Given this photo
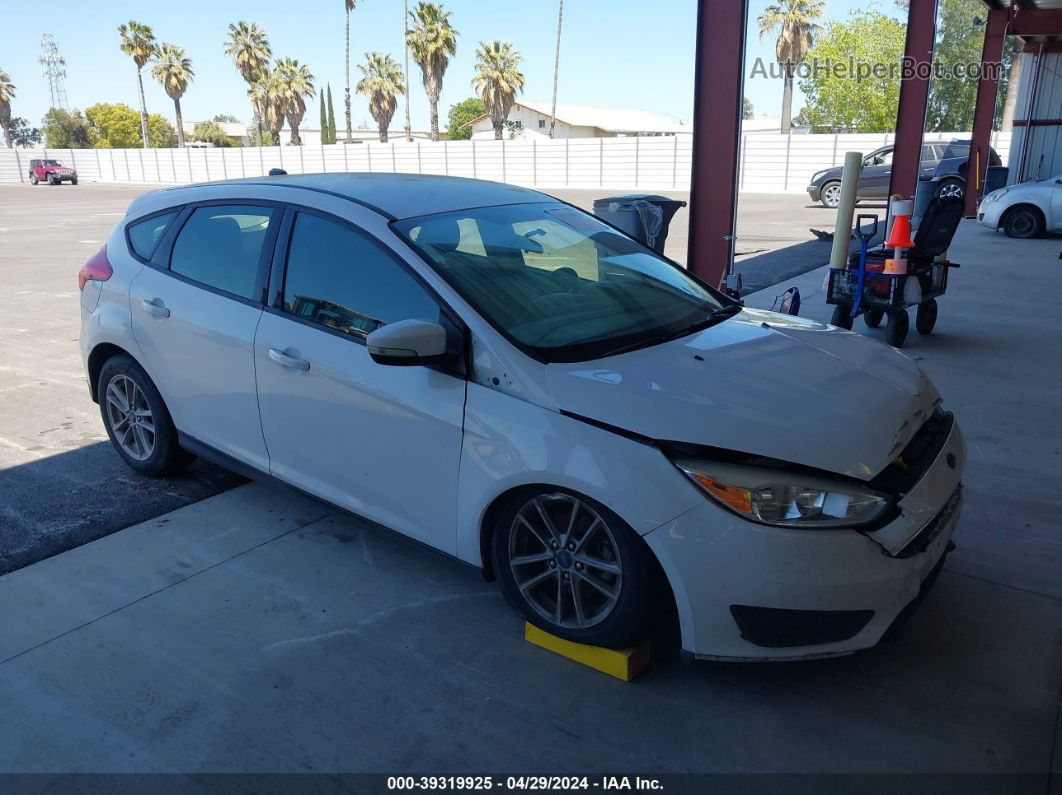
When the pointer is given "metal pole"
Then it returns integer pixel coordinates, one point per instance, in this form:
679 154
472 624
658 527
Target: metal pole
324 163
984 110
914 95
716 136
601 161
474 167
534 161
567 178
446 158
556 70
674 162
505 178
785 177
18 165
420 166
637 159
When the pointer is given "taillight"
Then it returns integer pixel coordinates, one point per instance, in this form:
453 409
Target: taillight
97 269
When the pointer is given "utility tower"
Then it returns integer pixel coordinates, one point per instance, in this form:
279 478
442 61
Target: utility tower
53 67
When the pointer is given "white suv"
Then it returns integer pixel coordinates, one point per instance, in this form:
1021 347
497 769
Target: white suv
511 381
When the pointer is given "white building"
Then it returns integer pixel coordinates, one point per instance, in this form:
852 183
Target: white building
311 136
580 121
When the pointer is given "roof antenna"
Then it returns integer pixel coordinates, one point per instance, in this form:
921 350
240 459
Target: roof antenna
277 172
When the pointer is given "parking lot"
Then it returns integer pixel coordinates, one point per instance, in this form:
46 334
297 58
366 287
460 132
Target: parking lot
259 631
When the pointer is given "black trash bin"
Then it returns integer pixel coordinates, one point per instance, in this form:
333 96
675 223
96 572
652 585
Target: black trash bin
644 217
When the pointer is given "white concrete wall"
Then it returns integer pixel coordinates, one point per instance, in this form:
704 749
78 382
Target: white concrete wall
768 163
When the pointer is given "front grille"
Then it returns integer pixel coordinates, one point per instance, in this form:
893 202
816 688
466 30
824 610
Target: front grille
901 475
924 537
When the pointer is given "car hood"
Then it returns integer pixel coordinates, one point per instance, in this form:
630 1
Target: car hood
760 383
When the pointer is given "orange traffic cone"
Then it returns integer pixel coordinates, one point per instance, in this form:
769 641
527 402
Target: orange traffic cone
900 235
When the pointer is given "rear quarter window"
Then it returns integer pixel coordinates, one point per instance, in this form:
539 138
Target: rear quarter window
145 235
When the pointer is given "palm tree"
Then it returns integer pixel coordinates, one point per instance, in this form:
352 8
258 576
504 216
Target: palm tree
296 84
248 46
498 80
381 84
173 71
798 22
556 70
7 93
432 41
138 42
349 5
267 100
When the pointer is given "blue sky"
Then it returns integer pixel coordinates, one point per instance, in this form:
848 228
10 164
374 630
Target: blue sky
616 53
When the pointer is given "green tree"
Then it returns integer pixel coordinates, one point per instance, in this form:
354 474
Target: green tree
248 46
296 84
117 126
432 42
324 121
861 102
22 134
225 118
173 71
747 111
161 134
381 84
462 113
64 129
331 117
211 132
498 80
959 41
7 93
138 42
797 22
348 6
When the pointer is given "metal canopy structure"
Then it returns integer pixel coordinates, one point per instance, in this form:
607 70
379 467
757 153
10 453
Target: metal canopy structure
721 29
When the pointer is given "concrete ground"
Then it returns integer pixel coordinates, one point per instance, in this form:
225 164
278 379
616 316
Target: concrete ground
261 632
51 438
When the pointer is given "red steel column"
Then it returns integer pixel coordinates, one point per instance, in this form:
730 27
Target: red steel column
914 96
987 86
716 130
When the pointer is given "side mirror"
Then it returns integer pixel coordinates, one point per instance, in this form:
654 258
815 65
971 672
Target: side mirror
407 342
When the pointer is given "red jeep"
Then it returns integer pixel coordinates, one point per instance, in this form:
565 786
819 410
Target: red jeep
51 170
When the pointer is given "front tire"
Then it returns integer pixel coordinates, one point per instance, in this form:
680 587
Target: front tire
573 568
73 181
1022 223
872 317
34 180
896 328
926 317
830 195
137 420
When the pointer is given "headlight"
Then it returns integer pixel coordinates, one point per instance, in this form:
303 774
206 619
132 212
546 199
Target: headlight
817 174
995 195
785 499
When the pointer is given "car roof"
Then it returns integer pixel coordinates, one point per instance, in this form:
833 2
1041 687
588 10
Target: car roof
401 195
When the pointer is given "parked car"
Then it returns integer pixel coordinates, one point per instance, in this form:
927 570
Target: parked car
1024 210
51 171
945 161
515 383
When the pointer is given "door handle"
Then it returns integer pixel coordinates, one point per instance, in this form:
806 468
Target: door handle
155 307
284 360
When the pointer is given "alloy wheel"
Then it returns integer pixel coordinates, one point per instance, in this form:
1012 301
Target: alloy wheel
950 190
565 561
130 418
831 195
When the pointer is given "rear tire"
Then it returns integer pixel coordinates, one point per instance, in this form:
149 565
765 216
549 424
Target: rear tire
842 316
1022 223
872 317
896 328
602 571
926 316
73 181
951 188
137 420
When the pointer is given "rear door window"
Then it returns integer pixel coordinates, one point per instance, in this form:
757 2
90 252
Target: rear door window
145 235
221 247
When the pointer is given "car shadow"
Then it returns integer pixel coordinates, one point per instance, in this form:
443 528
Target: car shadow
62 501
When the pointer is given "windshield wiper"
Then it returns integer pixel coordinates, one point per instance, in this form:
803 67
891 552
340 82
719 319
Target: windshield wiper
713 317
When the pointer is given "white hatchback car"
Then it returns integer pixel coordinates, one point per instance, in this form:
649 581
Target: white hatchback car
507 379
1024 210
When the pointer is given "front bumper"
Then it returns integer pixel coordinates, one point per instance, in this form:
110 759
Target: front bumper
806 581
814 191
989 215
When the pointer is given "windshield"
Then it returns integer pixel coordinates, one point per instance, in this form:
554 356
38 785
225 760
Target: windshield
558 282
50 163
